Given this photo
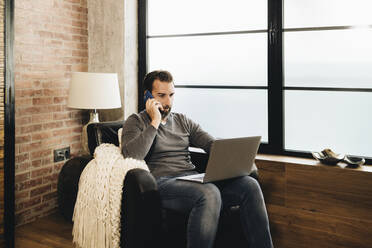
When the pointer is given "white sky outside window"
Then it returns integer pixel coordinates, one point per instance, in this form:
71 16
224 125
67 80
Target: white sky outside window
225 113
321 13
315 120
212 60
336 58
204 16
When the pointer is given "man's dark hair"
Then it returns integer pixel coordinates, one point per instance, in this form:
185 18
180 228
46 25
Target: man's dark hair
163 76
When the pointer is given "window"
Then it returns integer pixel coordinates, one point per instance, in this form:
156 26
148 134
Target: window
299 79
327 76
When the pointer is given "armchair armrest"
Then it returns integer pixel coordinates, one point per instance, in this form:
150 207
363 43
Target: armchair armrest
199 158
141 211
68 183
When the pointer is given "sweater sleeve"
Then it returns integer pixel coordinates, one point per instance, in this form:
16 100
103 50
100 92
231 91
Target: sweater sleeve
137 138
198 137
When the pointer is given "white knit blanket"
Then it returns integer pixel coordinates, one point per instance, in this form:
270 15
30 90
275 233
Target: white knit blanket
98 204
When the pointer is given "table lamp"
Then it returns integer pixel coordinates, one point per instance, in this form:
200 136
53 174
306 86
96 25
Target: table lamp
93 91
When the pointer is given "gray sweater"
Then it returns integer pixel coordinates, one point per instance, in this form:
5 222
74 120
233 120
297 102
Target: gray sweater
165 149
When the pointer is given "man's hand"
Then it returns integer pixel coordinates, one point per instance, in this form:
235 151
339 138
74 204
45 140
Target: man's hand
152 108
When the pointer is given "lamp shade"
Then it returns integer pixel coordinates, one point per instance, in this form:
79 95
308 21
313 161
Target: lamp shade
94 91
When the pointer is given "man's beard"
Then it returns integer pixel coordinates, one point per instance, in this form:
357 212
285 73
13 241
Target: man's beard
164 113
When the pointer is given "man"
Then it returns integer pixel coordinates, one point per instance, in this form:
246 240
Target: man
162 138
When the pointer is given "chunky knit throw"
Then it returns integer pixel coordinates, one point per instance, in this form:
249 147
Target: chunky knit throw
98 204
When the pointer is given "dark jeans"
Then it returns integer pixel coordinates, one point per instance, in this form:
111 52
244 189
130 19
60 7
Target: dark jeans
204 203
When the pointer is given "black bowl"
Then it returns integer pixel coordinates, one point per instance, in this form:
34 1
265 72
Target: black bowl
353 161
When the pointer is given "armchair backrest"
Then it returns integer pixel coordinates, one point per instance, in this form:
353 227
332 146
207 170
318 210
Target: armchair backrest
103 132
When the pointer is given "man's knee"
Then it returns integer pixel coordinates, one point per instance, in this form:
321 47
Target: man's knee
251 185
210 196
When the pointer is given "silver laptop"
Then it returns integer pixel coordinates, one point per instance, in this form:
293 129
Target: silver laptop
228 158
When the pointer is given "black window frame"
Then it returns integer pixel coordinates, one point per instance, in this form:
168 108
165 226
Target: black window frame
275 85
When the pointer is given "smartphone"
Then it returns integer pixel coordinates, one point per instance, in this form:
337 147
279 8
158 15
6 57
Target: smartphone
147 96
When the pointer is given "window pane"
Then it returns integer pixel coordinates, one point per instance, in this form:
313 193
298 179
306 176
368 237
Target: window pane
213 60
337 120
320 13
195 16
225 113
339 58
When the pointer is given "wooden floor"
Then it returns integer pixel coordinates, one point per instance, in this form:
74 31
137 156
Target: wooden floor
51 231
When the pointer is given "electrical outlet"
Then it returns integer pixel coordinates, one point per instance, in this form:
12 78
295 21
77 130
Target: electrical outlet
61 154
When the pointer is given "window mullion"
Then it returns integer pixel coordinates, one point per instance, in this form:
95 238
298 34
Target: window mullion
275 78
142 50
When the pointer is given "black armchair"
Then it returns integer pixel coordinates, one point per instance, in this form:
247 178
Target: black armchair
143 221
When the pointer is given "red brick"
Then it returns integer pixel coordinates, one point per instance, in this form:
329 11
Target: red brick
47 161
52 92
21 158
22 177
77 129
58 166
50 178
21 217
54 185
29 147
41 172
42 208
77 114
42 118
24 102
28 93
73 123
62 132
42 153
36 163
40 190
73 1
20 84
78 53
80 67
48 142
45 34
23 120
59 100
41 135
42 101
53 43
62 116
54 84
62 36
19 196
49 196
29 184
20 167
73 138
23 139
52 125
79 24
62 67
31 128
28 203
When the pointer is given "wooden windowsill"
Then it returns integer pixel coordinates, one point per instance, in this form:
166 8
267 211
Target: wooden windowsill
308 161
297 160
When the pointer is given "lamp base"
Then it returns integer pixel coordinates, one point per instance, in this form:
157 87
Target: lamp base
94 118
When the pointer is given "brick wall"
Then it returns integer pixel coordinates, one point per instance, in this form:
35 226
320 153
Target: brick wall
51 41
